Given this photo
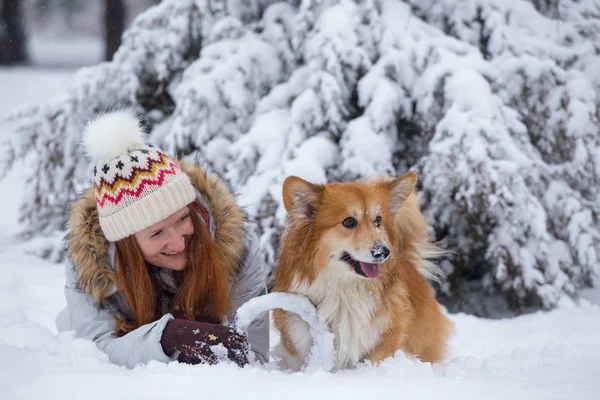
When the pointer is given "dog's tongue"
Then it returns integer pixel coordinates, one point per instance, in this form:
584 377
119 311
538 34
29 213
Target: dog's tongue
370 270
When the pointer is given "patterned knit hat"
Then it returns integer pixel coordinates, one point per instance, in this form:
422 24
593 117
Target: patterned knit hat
136 184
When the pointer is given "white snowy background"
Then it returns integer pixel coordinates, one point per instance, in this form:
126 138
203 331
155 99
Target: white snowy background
544 355
494 104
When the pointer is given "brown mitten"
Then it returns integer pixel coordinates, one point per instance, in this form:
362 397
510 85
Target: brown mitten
201 342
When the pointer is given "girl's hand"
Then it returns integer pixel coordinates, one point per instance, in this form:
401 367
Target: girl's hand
201 342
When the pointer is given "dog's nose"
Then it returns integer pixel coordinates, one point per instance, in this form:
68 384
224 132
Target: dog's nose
380 252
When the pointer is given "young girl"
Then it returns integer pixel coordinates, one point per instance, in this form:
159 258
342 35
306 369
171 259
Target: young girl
160 257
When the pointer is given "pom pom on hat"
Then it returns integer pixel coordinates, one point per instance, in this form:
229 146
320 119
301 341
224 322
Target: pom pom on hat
112 134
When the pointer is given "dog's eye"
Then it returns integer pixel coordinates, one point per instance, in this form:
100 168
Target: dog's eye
349 222
378 221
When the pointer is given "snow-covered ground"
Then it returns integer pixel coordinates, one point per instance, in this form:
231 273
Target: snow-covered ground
67 52
549 355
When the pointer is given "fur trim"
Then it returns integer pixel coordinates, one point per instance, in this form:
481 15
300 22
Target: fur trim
87 247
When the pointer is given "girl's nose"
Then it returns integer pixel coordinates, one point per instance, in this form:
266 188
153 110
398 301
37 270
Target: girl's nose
177 242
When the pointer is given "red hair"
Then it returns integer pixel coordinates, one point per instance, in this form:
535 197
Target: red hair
202 293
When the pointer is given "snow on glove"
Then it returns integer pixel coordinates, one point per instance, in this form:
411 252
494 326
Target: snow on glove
202 342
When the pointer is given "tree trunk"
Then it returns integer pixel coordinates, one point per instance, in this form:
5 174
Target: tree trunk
13 48
114 24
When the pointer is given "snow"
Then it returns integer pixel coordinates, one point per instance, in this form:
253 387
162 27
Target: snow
489 102
321 355
545 355
69 52
18 87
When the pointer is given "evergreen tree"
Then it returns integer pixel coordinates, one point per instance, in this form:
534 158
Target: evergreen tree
494 104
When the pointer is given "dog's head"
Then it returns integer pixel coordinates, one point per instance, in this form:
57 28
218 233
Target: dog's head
352 225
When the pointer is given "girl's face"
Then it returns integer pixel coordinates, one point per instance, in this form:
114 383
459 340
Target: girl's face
164 243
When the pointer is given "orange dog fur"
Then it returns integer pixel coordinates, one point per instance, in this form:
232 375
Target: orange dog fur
360 252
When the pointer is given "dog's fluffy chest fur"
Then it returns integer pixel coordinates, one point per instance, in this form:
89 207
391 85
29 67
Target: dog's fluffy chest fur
347 309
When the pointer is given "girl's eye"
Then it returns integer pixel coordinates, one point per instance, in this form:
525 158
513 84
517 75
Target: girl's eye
349 222
378 221
186 216
155 234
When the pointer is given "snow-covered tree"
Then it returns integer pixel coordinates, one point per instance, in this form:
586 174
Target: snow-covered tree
531 232
495 104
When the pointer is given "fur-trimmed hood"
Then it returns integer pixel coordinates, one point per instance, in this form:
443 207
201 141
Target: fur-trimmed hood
88 249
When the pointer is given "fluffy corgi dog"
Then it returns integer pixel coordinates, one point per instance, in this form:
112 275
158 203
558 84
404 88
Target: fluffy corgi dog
359 251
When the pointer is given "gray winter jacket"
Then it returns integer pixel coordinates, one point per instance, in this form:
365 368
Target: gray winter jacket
92 297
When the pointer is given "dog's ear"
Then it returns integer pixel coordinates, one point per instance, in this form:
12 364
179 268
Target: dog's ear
399 189
301 198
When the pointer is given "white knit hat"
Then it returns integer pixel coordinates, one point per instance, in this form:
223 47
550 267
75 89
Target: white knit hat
135 183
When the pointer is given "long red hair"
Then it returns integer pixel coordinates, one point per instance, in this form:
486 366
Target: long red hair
202 293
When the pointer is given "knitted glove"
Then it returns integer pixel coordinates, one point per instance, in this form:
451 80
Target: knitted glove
202 342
